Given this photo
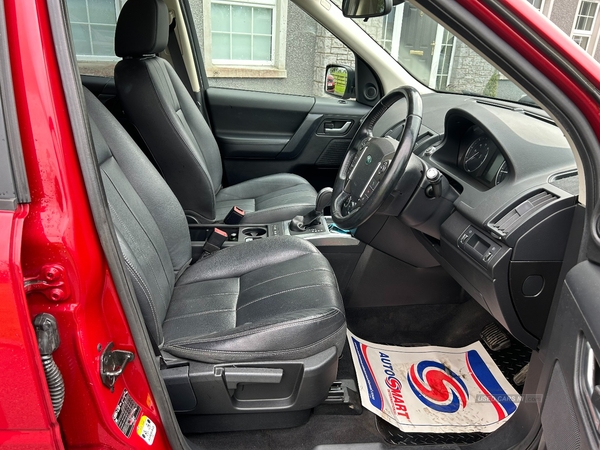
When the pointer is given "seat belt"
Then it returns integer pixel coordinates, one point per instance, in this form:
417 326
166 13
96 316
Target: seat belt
177 58
179 66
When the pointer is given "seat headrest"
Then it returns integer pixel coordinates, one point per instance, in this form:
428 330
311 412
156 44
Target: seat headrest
142 28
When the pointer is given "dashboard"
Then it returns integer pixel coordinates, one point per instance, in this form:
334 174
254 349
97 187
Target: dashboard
510 194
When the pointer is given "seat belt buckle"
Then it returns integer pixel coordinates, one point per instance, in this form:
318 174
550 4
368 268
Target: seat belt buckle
215 242
234 216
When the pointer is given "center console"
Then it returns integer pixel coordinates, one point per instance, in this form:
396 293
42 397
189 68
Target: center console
321 234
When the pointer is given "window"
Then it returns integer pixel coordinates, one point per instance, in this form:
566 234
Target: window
584 23
445 61
93 24
435 57
244 38
265 46
537 4
242 34
388 32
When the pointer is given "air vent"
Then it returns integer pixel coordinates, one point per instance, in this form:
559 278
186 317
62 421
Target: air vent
516 216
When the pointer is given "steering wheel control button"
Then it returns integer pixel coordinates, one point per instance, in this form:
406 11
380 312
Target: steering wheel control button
383 167
368 160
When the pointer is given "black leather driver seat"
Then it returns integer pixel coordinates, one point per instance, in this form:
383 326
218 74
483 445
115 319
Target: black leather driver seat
270 308
181 142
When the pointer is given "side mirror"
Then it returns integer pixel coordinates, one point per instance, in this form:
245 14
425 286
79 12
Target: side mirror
358 9
339 81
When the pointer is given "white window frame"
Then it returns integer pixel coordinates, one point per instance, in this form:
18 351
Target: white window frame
225 68
93 58
268 4
585 33
435 75
542 4
385 38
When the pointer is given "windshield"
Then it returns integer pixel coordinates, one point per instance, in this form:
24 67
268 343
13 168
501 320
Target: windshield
436 57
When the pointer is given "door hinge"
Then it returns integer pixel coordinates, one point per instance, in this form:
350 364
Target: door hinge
112 364
51 282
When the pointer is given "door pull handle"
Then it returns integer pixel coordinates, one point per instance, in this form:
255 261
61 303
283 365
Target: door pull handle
329 128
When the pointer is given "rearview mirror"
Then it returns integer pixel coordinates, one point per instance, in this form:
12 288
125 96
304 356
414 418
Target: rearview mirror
339 81
357 9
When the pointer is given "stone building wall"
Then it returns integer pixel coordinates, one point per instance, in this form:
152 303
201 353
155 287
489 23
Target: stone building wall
328 50
563 14
470 72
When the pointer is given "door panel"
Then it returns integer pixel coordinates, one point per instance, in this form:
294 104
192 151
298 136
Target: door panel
570 380
250 124
263 133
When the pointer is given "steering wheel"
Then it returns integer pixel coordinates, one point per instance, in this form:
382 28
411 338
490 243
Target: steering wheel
373 165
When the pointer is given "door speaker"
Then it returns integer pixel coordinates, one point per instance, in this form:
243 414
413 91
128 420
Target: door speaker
370 91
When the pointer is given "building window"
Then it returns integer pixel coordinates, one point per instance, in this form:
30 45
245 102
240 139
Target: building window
445 61
388 32
537 4
242 34
93 24
584 23
245 38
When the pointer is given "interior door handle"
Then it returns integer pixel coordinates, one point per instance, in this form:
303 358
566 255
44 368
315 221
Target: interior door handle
331 129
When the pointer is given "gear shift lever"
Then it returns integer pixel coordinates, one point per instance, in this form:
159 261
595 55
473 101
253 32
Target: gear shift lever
300 223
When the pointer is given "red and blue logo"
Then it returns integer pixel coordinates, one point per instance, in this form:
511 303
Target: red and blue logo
485 380
437 386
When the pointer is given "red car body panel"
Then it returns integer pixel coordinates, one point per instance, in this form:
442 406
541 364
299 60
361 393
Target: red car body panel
57 228
26 418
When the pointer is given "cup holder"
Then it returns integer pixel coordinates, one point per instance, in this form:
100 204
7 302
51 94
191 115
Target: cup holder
254 232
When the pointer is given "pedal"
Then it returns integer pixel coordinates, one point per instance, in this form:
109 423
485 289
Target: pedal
342 399
521 376
494 337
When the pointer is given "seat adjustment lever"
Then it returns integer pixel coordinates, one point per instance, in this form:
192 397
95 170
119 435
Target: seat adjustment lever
232 376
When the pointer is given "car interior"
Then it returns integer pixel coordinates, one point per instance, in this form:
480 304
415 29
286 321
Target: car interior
440 219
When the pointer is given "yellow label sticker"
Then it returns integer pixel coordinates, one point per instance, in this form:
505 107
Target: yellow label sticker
146 429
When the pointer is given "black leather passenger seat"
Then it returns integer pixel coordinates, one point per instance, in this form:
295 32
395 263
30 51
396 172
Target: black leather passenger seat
271 305
156 101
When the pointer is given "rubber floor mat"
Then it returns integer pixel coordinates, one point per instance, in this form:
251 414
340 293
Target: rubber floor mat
431 389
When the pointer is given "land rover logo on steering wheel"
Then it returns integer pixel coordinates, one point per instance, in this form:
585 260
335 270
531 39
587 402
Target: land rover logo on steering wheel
369 160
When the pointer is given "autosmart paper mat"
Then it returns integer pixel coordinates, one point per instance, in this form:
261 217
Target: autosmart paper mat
433 389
